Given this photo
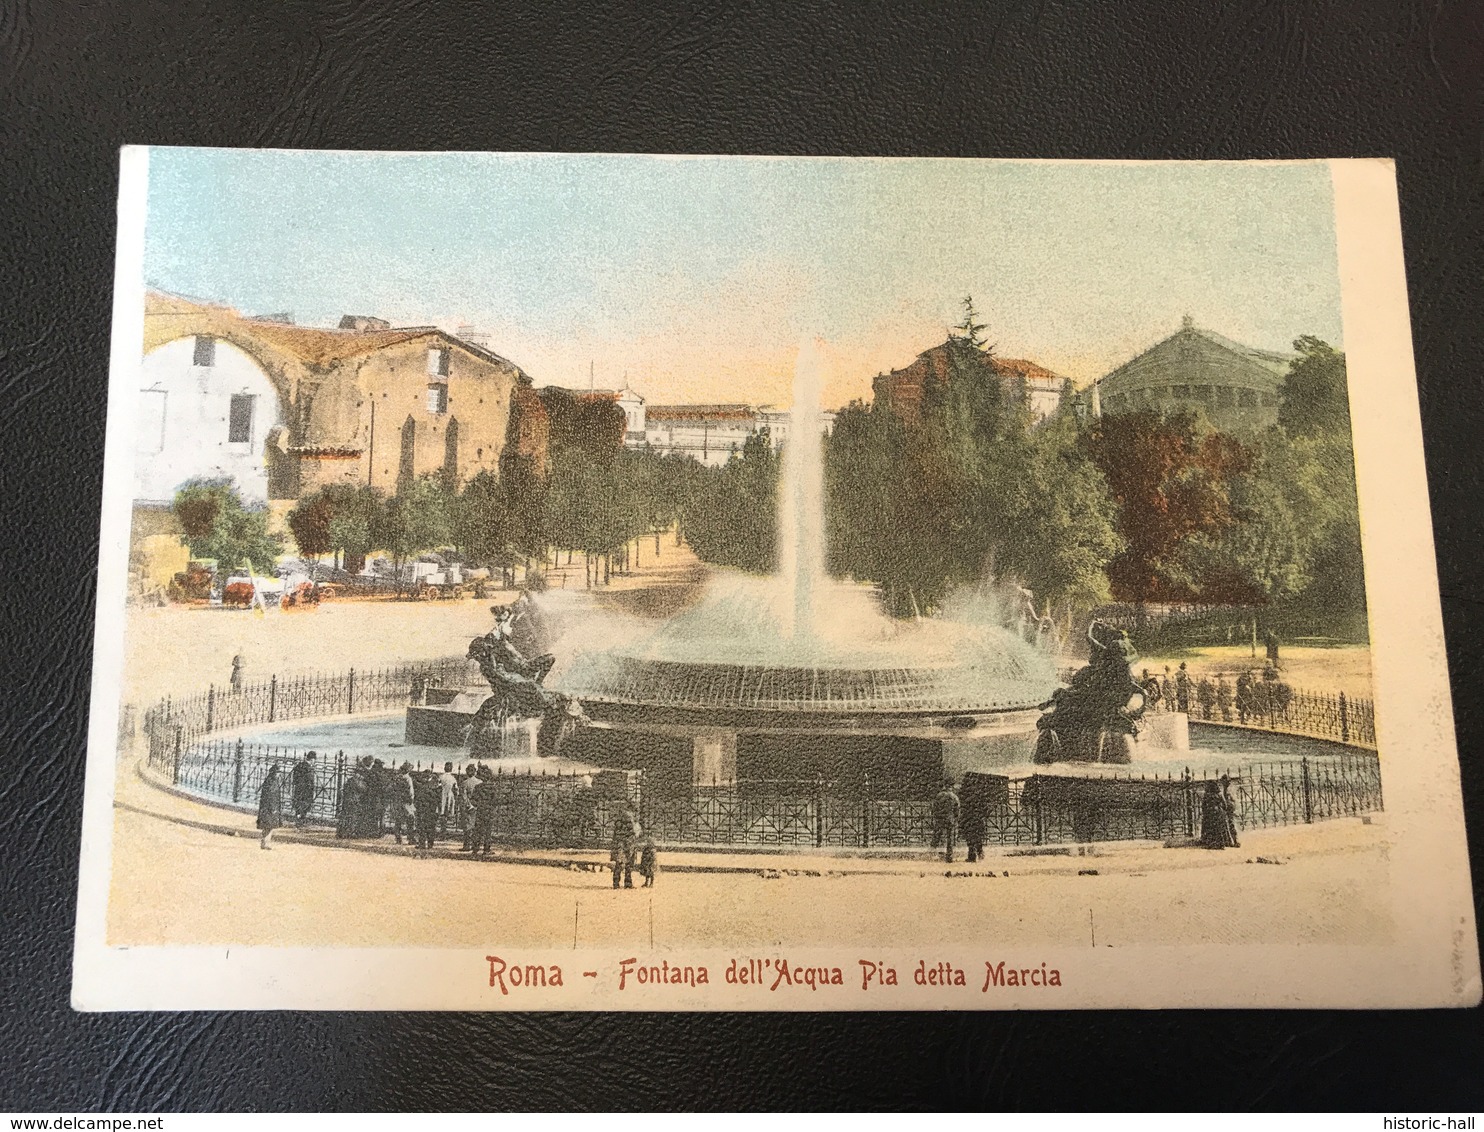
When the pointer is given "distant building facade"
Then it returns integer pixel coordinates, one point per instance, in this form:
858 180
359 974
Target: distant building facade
711 433
283 409
1237 388
902 390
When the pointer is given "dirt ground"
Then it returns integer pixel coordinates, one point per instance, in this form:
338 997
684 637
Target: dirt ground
176 884
178 650
1329 670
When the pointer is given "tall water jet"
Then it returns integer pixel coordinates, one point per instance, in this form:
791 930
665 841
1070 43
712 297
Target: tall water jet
801 506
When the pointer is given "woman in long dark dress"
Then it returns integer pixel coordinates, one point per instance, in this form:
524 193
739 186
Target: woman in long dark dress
270 806
1215 820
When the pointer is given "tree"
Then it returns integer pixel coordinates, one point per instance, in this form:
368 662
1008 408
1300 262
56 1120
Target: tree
732 517
309 523
413 520
1315 396
218 526
1171 483
968 331
480 520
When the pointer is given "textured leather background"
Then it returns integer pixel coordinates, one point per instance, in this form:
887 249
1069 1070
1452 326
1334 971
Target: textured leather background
1138 78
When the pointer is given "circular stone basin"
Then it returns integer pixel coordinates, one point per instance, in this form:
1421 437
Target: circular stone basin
738 650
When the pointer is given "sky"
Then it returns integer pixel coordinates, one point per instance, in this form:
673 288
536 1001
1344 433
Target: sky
696 279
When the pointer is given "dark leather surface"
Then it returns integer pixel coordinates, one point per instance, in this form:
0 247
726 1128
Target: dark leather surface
1142 78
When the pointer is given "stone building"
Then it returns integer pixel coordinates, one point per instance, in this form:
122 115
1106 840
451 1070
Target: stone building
283 409
902 389
1235 387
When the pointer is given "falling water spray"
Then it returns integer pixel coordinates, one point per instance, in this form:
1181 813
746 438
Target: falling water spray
801 510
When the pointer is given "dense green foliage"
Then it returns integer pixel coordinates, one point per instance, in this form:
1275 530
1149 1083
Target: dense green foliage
970 491
218 526
1141 507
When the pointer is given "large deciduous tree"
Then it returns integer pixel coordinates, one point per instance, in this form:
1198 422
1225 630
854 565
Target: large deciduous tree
1171 482
218 526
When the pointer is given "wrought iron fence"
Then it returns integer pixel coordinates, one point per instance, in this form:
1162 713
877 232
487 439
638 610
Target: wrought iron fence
1274 706
578 811
174 724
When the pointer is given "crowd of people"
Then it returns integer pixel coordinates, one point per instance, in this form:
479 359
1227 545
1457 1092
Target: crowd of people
424 807
1252 698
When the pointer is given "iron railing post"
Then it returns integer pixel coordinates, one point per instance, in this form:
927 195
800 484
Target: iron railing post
1308 795
818 810
210 707
175 773
272 697
237 773
1344 719
350 695
1189 806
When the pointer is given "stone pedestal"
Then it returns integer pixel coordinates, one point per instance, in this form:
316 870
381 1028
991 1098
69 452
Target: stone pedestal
714 758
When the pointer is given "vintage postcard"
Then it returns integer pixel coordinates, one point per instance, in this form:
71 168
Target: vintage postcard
541 581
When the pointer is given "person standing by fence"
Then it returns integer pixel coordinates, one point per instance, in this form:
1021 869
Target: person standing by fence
1205 697
467 809
403 797
427 795
1245 698
1229 807
270 806
647 866
236 679
1224 698
1182 689
625 834
301 788
1216 824
945 819
448 800
485 799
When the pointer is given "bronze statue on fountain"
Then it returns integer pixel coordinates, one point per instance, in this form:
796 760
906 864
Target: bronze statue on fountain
517 692
1096 717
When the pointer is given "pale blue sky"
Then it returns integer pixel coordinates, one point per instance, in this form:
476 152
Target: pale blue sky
697 277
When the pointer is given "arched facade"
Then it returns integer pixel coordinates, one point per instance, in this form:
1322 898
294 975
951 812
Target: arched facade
205 407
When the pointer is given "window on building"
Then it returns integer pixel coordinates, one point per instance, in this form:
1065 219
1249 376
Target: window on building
1248 398
437 396
239 418
149 435
1269 400
1182 392
438 362
205 354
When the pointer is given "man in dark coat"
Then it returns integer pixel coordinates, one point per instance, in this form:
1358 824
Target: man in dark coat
945 819
975 816
353 804
270 806
485 797
625 837
1245 697
301 787
1182 689
427 792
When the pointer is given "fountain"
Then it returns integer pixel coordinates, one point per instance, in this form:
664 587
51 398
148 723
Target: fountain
800 676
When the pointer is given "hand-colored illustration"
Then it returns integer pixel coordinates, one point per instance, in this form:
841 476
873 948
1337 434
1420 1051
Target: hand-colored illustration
864 554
